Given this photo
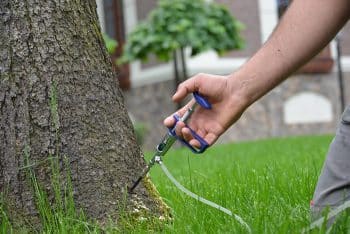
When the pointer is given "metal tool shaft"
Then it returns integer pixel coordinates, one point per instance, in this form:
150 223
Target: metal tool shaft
161 149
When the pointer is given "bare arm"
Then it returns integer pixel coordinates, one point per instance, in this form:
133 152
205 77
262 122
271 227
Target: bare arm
307 26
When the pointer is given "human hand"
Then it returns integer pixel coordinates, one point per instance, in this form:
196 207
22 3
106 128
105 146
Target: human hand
209 124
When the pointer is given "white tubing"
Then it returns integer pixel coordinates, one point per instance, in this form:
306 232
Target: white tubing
201 199
331 214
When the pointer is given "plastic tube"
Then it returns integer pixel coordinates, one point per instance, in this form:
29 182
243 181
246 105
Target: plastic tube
331 214
201 199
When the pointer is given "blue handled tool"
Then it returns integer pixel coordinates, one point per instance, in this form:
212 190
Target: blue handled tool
169 139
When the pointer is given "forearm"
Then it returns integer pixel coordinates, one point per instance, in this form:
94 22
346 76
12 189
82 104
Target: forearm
304 30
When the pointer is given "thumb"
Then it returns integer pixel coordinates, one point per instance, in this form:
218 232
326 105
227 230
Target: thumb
186 87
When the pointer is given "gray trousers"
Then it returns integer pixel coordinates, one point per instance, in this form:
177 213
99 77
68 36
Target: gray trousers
333 187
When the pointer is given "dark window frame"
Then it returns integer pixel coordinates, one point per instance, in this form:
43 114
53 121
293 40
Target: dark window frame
115 28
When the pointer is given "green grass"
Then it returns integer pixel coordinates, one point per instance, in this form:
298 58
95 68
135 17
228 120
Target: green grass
268 183
58 216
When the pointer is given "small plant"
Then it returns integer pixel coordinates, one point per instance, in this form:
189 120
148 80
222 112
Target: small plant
59 215
140 131
176 25
5 225
179 24
111 44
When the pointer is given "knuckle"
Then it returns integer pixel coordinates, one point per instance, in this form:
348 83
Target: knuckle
180 86
198 79
199 75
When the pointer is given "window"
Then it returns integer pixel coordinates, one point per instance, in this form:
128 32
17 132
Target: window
114 26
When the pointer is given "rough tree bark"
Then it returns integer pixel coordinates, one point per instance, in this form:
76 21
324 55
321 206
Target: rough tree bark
59 97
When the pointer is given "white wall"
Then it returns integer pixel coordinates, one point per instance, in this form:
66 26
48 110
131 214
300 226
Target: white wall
100 13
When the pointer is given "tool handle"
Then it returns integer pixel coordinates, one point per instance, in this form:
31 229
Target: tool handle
203 143
202 101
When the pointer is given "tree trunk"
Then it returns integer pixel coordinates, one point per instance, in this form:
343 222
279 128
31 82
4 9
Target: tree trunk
59 98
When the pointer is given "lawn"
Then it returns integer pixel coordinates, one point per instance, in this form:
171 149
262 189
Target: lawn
268 183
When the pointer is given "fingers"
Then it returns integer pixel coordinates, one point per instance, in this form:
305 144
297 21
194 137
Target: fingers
188 86
170 121
187 135
211 138
208 137
180 129
184 132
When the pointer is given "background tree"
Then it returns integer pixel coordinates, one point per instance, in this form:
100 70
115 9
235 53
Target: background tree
59 99
175 25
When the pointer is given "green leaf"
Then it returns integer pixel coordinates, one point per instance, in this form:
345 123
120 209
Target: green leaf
181 23
110 43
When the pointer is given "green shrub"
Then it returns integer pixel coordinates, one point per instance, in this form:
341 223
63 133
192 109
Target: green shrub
176 24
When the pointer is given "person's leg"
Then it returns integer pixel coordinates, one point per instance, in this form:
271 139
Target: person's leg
333 187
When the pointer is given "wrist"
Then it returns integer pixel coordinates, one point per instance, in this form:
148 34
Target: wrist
239 92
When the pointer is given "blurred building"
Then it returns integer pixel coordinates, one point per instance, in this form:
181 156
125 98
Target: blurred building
307 103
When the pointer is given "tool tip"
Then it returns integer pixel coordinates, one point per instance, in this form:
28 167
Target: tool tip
131 189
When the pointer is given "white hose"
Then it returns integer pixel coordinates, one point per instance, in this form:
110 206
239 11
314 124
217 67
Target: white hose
201 199
331 214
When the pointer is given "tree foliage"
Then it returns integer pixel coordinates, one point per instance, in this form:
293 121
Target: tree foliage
176 24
